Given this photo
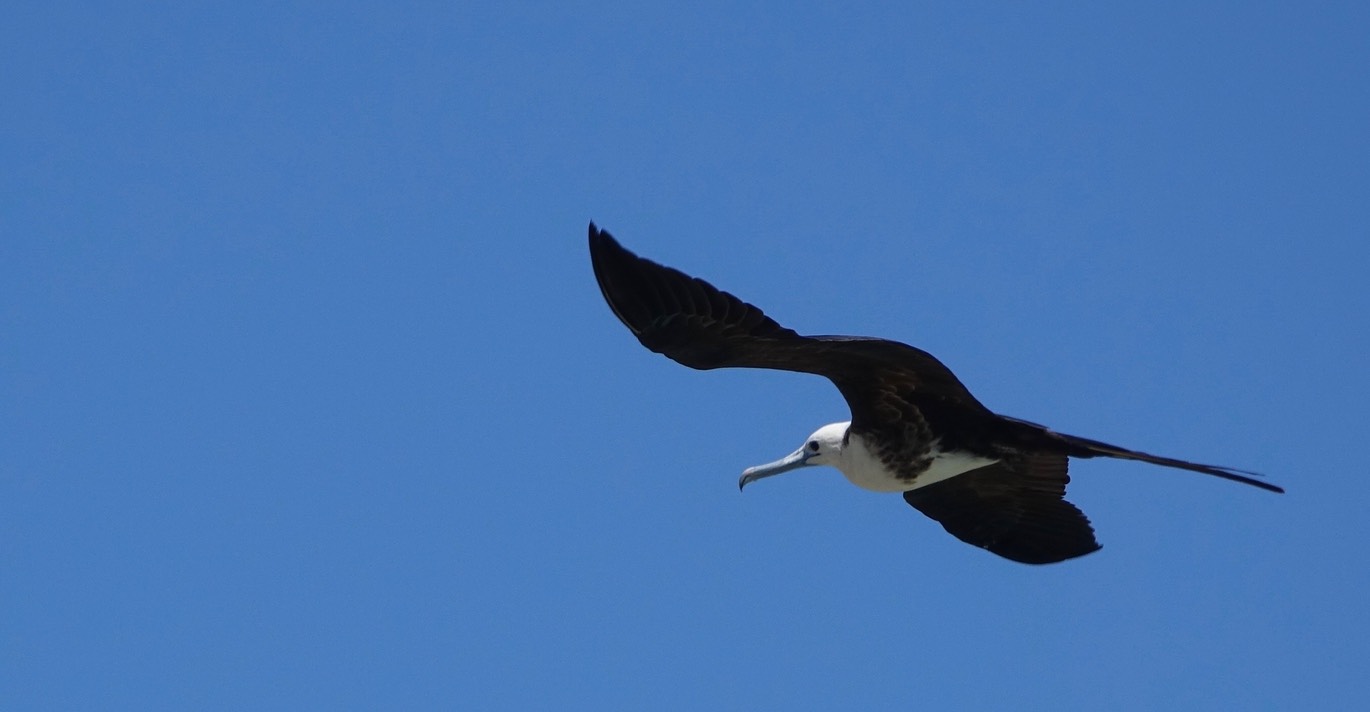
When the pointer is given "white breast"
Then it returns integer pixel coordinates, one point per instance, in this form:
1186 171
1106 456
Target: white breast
863 469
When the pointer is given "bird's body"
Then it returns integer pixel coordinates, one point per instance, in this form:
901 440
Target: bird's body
990 480
859 463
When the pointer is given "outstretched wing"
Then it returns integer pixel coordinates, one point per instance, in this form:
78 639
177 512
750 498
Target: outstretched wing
683 317
1014 508
698 325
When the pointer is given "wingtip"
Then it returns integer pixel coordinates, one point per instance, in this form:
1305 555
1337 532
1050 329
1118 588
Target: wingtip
600 237
604 248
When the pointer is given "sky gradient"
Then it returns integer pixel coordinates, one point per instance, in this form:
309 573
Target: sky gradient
308 399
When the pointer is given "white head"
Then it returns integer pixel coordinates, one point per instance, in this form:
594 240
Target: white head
824 447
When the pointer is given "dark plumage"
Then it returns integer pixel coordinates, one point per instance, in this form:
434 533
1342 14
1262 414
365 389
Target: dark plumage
912 421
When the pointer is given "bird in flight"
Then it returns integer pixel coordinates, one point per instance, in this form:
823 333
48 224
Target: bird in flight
990 480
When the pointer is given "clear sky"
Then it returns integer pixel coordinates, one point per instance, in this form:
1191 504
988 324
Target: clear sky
308 399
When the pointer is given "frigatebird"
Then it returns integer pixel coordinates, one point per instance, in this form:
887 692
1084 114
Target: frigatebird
990 480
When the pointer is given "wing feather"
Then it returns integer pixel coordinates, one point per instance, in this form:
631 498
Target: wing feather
698 325
1015 508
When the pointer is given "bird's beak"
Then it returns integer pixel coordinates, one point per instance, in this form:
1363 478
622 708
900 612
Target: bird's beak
794 460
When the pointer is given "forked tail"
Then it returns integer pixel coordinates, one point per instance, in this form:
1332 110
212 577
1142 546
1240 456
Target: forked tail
1084 447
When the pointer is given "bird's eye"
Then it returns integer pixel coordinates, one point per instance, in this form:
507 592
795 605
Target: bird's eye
813 446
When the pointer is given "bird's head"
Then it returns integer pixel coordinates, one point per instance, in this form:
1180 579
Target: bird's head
824 447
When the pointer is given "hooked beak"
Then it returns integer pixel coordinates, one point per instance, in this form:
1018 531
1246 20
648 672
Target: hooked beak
792 461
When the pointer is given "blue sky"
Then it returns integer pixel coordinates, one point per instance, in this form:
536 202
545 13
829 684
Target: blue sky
310 400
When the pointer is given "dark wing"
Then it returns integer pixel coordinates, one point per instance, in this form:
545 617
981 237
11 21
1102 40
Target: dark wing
1014 508
698 325
682 317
